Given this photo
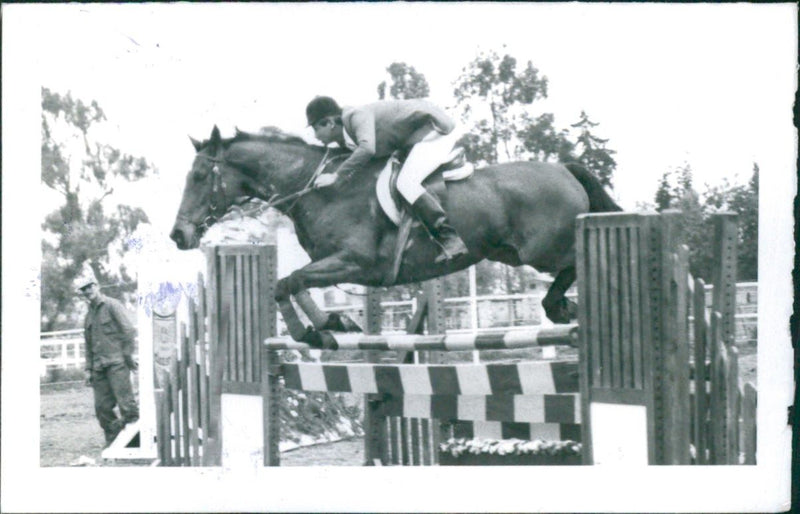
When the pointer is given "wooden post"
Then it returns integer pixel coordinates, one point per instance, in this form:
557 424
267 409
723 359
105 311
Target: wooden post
216 356
674 347
375 444
264 279
724 296
436 325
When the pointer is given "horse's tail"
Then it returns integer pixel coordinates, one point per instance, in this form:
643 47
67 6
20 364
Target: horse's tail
599 199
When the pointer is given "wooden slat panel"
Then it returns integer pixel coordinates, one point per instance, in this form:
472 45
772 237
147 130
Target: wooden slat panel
634 265
202 358
162 428
223 313
700 393
247 317
594 306
394 438
732 408
256 312
625 308
169 425
425 428
239 319
185 397
603 309
614 293
405 452
416 453
717 396
194 383
175 409
749 423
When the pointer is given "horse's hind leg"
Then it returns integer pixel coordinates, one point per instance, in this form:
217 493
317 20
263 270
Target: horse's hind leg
556 306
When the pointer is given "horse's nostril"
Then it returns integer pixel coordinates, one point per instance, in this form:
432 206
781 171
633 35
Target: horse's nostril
177 236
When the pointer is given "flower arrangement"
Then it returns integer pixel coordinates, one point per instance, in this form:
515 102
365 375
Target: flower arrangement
464 451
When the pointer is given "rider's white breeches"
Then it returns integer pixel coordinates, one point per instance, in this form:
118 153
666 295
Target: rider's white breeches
422 160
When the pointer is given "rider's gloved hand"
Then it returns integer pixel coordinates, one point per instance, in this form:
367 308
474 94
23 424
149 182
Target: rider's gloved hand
325 180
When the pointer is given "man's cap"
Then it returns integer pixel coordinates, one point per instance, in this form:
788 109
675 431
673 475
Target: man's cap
85 278
321 107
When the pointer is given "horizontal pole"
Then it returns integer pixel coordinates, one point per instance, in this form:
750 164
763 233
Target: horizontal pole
500 340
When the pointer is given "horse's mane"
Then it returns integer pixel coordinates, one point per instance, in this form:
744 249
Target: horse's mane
269 135
273 135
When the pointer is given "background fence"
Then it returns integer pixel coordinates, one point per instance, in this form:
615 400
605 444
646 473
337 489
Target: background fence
65 349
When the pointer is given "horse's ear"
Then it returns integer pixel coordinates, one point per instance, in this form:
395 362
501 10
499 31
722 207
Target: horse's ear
215 137
197 144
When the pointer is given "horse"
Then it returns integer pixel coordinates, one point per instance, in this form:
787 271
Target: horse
516 213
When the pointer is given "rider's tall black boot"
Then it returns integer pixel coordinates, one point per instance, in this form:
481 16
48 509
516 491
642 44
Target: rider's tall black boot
431 214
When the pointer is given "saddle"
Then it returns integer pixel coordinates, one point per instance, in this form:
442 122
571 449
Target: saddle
455 167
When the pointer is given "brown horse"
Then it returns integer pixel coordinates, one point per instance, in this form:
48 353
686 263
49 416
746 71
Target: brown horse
516 213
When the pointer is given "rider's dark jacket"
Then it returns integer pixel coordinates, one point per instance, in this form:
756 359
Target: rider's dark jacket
378 129
108 332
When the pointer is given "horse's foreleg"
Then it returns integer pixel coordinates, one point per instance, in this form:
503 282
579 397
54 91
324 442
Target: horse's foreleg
556 306
329 271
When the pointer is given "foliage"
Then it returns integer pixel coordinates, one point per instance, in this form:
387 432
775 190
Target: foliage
315 414
492 94
594 155
497 99
63 375
457 447
87 226
676 191
406 83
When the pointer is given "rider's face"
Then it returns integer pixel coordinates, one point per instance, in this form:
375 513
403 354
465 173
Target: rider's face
326 130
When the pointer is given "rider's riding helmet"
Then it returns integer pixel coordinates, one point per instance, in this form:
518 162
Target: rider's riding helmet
322 107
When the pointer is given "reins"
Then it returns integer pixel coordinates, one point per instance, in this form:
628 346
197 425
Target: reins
275 200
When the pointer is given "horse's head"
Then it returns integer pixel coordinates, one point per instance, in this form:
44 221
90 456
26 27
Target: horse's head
211 187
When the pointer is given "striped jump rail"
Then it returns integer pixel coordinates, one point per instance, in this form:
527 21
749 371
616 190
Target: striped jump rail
500 340
529 400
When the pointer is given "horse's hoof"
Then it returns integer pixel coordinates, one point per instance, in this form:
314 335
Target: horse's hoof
571 309
341 323
320 340
312 338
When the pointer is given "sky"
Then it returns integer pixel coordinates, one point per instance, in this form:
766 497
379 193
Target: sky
708 85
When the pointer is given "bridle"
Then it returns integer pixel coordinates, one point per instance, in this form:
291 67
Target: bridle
218 190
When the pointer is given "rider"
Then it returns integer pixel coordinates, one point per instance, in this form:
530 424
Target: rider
377 130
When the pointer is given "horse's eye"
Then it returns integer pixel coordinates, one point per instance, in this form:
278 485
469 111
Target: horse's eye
199 175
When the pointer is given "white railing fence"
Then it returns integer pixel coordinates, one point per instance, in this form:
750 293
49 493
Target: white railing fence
66 349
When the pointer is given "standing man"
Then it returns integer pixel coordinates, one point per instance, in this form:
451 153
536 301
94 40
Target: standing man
381 128
110 338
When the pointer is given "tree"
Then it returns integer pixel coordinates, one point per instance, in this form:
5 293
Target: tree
406 82
87 226
676 191
594 155
492 95
497 100
743 200
542 141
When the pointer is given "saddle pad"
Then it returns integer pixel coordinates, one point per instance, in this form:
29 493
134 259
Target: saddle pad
383 187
